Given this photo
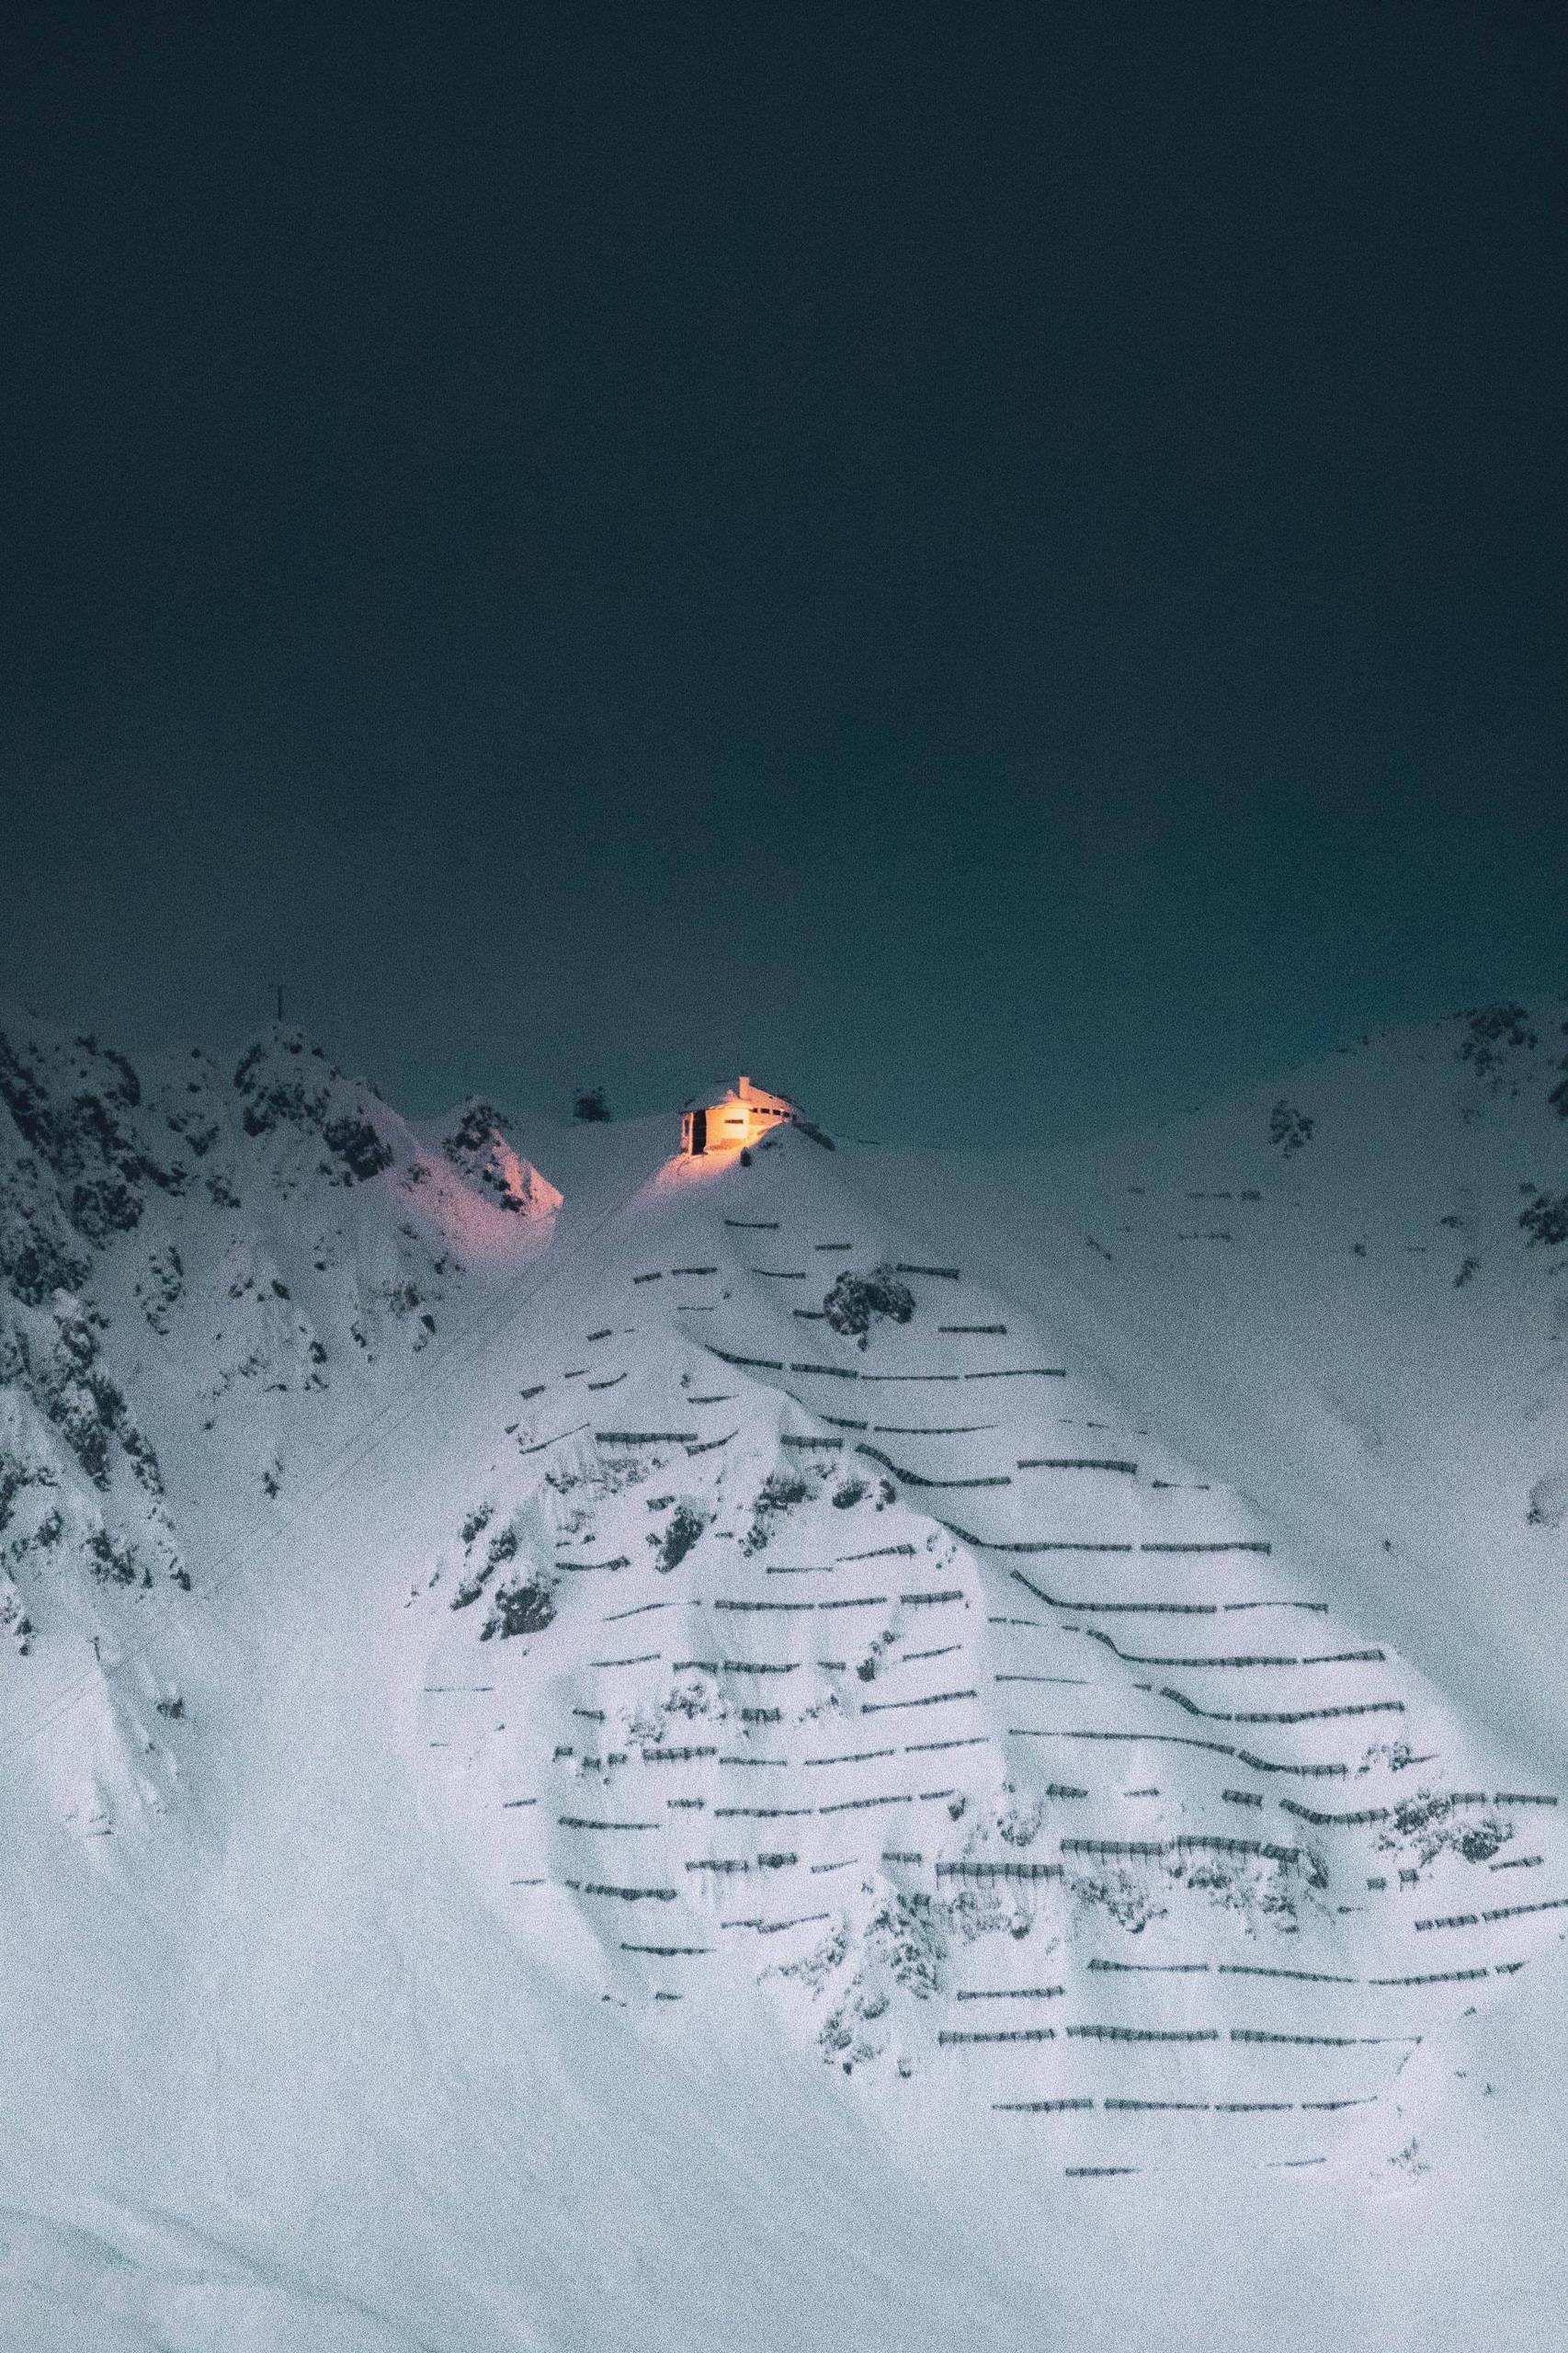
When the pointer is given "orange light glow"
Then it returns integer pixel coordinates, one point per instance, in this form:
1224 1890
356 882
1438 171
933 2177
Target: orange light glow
743 1114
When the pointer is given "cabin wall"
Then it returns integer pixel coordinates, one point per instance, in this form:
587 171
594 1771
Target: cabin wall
733 1123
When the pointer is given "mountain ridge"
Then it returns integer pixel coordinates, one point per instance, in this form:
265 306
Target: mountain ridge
472 1598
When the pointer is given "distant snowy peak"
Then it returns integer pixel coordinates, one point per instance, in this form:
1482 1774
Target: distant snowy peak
1475 1065
207 1269
1351 1288
820 1619
75 1111
80 1482
1511 1048
287 1085
107 1142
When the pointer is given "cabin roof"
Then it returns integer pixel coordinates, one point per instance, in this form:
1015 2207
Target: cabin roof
727 1090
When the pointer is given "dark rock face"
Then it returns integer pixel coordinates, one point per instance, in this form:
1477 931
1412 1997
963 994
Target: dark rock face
480 1147
39 1254
856 1299
353 1141
82 1149
478 1126
125 1254
55 1361
75 1122
80 1483
286 1083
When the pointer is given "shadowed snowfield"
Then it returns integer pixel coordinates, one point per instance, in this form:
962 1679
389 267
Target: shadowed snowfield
870 1749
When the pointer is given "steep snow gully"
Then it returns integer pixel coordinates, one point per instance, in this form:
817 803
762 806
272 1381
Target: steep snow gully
781 1756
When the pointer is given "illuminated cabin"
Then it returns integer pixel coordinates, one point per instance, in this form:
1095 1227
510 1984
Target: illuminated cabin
742 1115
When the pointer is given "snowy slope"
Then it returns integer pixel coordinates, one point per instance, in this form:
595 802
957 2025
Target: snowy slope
211 1277
814 1720
1350 1292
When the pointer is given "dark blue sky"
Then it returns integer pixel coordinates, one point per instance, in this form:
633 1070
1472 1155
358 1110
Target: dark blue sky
945 555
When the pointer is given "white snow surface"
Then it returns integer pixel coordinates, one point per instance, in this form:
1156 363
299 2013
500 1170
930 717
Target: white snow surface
871 1749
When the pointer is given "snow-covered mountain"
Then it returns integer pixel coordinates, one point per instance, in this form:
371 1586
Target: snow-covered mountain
785 1754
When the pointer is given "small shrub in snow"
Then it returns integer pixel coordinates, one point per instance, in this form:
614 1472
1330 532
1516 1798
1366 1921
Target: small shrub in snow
1546 1219
501 1549
1130 1903
115 1563
162 1286
1290 1128
695 1697
1431 1823
673 1542
868 1668
905 1935
856 1301
1397 1754
14 1618
1020 1824
1490 1031
1548 1503
778 1493
815 1968
1482 1840
524 1606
